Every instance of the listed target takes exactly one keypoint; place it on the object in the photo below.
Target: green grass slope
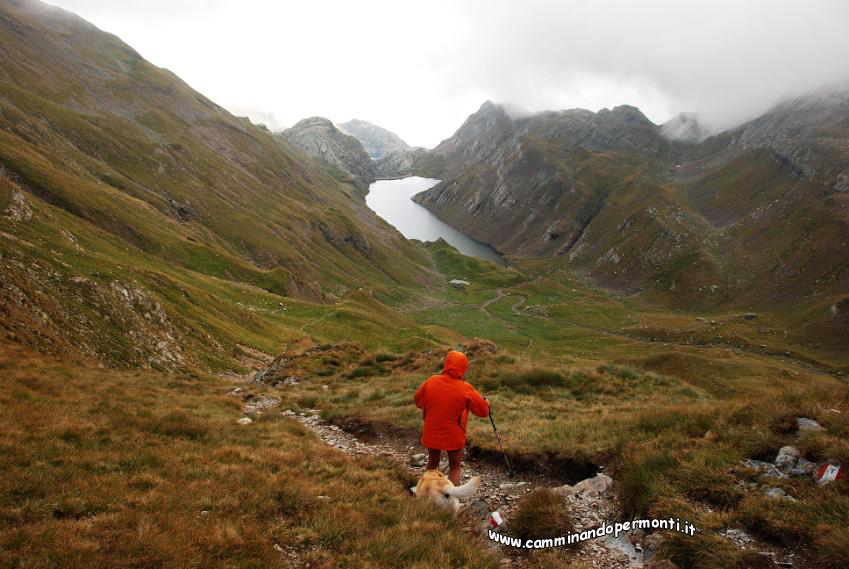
(125, 166)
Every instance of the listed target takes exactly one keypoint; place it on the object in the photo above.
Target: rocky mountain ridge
(343, 154)
(377, 141)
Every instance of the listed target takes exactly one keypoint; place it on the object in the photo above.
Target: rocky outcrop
(808, 134)
(343, 154)
(410, 162)
(377, 141)
(840, 311)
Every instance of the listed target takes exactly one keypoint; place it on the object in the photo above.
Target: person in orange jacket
(445, 401)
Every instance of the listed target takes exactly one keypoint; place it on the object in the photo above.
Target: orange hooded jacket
(445, 401)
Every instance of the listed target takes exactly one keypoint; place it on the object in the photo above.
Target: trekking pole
(507, 460)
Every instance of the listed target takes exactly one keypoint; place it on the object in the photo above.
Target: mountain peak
(346, 158)
(319, 122)
(628, 113)
(376, 140)
(491, 108)
(685, 127)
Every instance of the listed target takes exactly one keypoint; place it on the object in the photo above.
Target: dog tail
(467, 489)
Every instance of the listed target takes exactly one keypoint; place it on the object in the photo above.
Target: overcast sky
(419, 68)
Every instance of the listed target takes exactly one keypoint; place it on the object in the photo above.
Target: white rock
(806, 424)
(418, 459)
(787, 458)
(245, 421)
(622, 544)
(767, 468)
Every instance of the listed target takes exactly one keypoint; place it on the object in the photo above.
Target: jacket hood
(456, 364)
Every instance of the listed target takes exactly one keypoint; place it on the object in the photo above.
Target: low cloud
(420, 68)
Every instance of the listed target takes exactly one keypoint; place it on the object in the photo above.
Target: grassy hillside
(127, 175)
(135, 469)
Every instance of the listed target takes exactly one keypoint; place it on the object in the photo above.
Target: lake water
(392, 200)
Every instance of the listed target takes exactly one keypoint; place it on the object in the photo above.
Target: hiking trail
(499, 490)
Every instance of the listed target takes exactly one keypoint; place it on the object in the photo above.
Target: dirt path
(499, 294)
(316, 321)
(515, 306)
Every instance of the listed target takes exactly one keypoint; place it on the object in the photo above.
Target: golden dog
(435, 486)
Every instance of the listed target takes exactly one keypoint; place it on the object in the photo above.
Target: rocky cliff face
(377, 141)
(343, 154)
(477, 138)
(414, 161)
(529, 186)
(755, 214)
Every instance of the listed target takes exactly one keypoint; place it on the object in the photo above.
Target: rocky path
(590, 504)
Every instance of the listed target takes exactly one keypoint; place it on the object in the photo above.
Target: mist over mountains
(729, 61)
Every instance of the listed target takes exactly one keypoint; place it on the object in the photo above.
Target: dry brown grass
(133, 469)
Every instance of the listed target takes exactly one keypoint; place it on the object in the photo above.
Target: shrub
(582, 385)
(620, 372)
(367, 371)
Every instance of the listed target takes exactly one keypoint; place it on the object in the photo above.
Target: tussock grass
(384, 357)
(830, 548)
(540, 514)
(527, 382)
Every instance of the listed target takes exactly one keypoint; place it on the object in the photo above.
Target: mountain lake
(393, 201)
